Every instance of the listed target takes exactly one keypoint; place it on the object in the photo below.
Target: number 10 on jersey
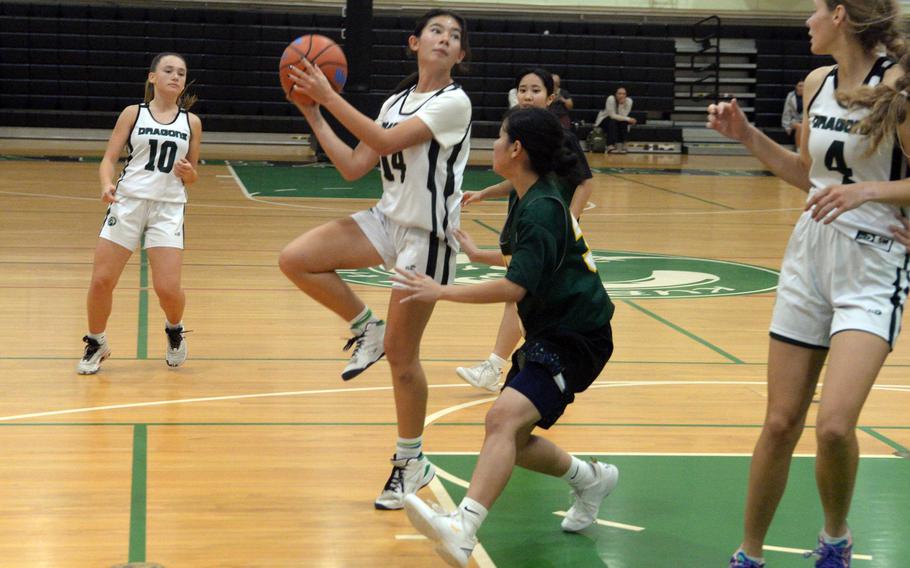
(165, 160)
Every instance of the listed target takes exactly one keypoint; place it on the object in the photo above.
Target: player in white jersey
(843, 282)
(146, 205)
(421, 142)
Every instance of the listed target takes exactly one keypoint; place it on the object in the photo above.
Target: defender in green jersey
(566, 315)
(535, 90)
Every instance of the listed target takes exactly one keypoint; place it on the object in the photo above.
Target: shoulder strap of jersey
(832, 75)
(878, 69)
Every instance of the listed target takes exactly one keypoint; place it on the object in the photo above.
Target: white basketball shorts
(408, 248)
(831, 283)
(161, 223)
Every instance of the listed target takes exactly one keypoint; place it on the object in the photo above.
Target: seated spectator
(792, 117)
(615, 120)
(513, 97)
(562, 104)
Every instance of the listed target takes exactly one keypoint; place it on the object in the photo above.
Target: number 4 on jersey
(835, 161)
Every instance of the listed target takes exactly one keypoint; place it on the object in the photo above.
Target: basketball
(321, 52)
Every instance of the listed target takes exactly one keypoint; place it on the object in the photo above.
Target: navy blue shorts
(579, 357)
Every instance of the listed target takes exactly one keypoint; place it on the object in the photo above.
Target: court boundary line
(596, 385)
(192, 204)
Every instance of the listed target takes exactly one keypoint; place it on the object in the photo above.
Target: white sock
(99, 337)
(580, 474)
(360, 320)
(497, 361)
(834, 539)
(473, 514)
(170, 325)
(409, 447)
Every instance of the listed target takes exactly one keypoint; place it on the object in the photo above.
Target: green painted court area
(691, 512)
(284, 179)
(288, 179)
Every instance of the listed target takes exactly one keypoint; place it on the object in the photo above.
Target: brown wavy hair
(184, 100)
(877, 24)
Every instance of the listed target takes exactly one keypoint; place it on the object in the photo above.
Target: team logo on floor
(629, 275)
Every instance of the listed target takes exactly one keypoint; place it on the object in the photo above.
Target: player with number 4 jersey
(843, 281)
(146, 205)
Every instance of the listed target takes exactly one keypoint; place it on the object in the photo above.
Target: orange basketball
(320, 51)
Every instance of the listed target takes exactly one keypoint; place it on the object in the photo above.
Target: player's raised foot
(368, 348)
(483, 376)
(587, 501)
(447, 530)
(94, 354)
(408, 476)
(176, 346)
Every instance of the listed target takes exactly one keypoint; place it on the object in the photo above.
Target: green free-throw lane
(691, 510)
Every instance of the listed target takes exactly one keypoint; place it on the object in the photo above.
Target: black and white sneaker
(176, 346)
(94, 354)
(368, 348)
(409, 475)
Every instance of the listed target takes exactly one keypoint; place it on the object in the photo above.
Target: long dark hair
(541, 135)
(545, 77)
(460, 68)
(184, 100)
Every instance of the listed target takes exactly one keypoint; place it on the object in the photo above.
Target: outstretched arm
(729, 120)
(352, 163)
(384, 141)
(475, 254)
(500, 189)
(792, 167)
(422, 288)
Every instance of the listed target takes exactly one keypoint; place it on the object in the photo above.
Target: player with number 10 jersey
(154, 149)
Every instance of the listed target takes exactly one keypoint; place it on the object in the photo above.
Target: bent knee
(291, 261)
(501, 421)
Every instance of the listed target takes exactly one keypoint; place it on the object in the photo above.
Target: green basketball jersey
(547, 255)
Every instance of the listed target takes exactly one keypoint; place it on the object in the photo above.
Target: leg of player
(110, 260)
(167, 267)
(792, 375)
(487, 374)
(411, 470)
(310, 262)
(848, 381)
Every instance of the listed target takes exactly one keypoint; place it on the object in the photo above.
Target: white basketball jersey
(421, 185)
(838, 157)
(154, 150)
